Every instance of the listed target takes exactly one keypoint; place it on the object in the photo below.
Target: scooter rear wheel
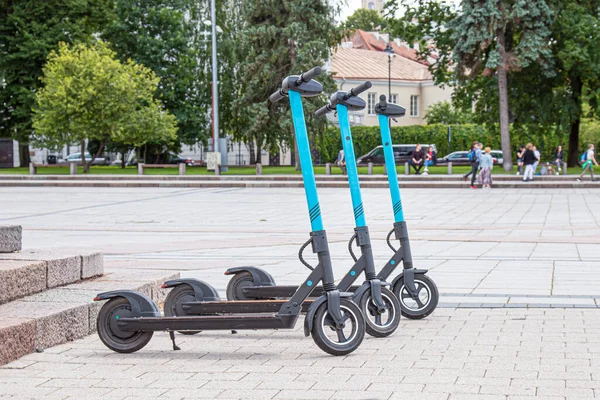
(426, 301)
(339, 342)
(176, 297)
(237, 284)
(111, 335)
(380, 325)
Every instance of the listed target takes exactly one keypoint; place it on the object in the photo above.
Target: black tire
(111, 335)
(237, 283)
(322, 329)
(427, 299)
(178, 295)
(381, 325)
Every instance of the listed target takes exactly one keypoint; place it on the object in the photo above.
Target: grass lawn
(267, 170)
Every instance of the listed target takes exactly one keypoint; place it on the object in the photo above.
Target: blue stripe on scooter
(308, 175)
(390, 165)
(359, 216)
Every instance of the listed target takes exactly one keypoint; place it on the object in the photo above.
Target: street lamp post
(390, 52)
(215, 91)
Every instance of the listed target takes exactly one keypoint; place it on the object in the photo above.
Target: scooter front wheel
(111, 334)
(385, 323)
(424, 303)
(176, 297)
(339, 342)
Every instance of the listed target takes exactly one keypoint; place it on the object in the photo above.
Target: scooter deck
(240, 306)
(268, 292)
(209, 322)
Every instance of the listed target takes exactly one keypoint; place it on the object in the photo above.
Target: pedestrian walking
(341, 161)
(559, 158)
(520, 154)
(587, 163)
(474, 157)
(528, 160)
(537, 158)
(486, 164)
(417, 159)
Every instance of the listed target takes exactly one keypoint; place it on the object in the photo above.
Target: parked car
(76, 158)
(402, 154)
(174, 159)
(462, 158)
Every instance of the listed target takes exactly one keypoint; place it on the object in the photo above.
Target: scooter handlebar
(359, 89)
(322, 111)
(308, 75)
(382, 102)
(275, 97)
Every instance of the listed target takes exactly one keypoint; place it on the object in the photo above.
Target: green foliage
(29, 31)
(89, 95)
(281, 37)
(366, 20)
(163, 36)
(365, 138)
(443, 112)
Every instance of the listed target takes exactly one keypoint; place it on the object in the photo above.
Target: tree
(89, 96)
(483, 42)
(166, 36)
(366, 20)
(29, 31)
(500, 36)
(281, 37)
(443, 112)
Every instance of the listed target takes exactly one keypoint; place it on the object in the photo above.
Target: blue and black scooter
(127, 321)
(378, 304)
(417, 293)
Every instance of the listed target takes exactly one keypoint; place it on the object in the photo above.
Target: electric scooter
(417, 293)
(127, 321)
(377, 303)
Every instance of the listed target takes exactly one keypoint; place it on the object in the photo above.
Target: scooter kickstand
(172, 336)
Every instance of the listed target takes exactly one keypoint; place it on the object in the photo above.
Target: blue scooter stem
(390, 165)
(357, 203)
(310, 186)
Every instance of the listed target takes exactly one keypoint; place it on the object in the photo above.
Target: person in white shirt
(587, 165)
(537, 156)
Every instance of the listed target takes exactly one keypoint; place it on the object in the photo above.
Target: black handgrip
(361, 88)
(322, 111)
(275, 97)
(382, 102)
(308, 75)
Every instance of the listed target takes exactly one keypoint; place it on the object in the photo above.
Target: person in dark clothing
(475, 157)
(529, 159)
(559, 158)
(417, 159)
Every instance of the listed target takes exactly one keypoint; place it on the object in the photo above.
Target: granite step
(63, 314)
(10, 238)
(32, 271)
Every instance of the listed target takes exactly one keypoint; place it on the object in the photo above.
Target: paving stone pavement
(465, 354)
(518, 271)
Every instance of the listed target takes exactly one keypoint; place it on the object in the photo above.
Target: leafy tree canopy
(444, 113)
(89, 96)
(366, 20)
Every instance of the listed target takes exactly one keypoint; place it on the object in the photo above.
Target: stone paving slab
(10, 238)
(454, 354)
(63, 266)
(21, 278)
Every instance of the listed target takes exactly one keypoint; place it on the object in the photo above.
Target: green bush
(366, 138)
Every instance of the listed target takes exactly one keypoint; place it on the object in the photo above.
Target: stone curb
(63, 314)
(421, 184)
(10, 238)
(33, 271)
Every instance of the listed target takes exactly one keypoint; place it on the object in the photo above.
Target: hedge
(366, 138)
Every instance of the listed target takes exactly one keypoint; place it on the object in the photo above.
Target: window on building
(394, 98)
(371, 103)
(414, 106)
